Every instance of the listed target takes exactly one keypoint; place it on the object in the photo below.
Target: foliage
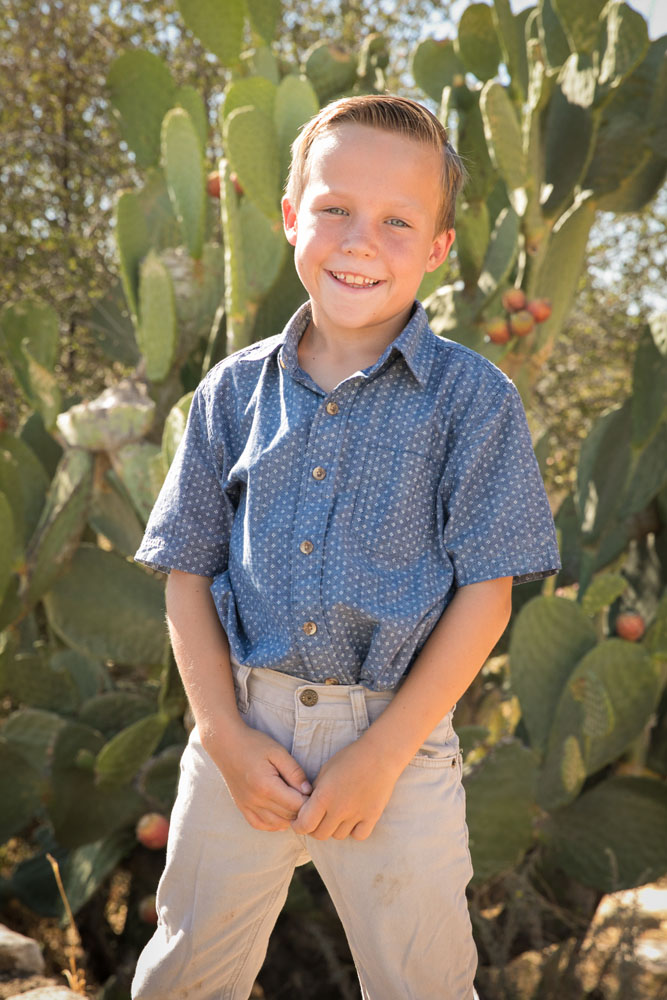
(94, 709)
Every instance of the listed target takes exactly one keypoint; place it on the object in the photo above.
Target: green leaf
(477, 41)
(142, 91)
(109, 608)
(120, 759)
(602, 592)
(549, 637)
(613, 836)
(500, 793)
(218, 26)
(186, 181)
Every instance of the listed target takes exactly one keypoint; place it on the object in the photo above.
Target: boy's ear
(441, 246)
(289, 220)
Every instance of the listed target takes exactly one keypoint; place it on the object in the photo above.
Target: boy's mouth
(354, 280)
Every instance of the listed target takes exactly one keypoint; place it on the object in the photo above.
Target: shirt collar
(413, 343)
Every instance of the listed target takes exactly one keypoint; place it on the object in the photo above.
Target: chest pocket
(394, 513)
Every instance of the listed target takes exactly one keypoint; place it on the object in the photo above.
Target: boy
(343, 522)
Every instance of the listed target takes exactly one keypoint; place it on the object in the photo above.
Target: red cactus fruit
(539, 309)
(152, 830)
(147, 910)
(630, 626)
(497, 331)
(521, 323)
(513, 300)
(213, 184)
(234, 178)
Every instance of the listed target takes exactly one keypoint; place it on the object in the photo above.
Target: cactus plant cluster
(94, 730)
(579, 127)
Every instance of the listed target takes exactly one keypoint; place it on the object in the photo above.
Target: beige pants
(400, 894)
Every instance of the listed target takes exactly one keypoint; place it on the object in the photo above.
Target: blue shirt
(338, 526)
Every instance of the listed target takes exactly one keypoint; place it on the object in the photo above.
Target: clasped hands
(270, 788)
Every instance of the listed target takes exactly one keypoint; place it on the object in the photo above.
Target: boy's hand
(349, 795)
(265, 781)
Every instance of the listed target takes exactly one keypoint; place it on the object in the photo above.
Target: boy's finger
(290, 771)
(310, 816)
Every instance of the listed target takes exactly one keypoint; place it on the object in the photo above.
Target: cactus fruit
(152, 831)
(630, 626)
(521, 323)
(513, 300)
(539, 309)
(497, 330)
(213, 184)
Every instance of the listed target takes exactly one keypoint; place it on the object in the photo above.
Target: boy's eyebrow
(397, 202)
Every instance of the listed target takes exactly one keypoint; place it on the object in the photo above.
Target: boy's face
(363, 231)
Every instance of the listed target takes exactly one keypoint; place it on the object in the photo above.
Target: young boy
(343, 522)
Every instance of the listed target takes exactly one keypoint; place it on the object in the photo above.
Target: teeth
(354, 279)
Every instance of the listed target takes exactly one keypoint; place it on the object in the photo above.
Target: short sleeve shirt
(337, 527)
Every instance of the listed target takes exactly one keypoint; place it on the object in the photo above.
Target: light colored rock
(19, 953)
(47, 993)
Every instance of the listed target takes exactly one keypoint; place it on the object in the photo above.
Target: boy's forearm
(448, 663)
(202, 654)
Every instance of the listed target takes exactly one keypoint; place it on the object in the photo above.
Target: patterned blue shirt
(337, 526)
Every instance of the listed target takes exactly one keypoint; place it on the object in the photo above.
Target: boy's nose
(359, 240)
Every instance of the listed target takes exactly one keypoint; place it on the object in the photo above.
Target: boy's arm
(265, 781)
(354, 786)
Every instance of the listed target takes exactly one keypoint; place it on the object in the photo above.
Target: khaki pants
(400, 894)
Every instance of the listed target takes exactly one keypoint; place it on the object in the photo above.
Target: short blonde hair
(392, 114)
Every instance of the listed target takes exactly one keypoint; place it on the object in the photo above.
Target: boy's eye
(399, 223)
(335, 211)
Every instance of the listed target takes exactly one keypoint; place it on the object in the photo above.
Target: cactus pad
(157, 332)
(477, 43)
(142, 91)
(218, 26)
(184, 169)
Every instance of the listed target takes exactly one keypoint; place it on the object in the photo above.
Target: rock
(47, 993)
(19, 953)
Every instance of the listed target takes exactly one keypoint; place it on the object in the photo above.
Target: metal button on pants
(400, 893)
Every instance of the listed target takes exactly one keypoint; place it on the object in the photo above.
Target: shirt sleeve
(497, 516)
(190, 523)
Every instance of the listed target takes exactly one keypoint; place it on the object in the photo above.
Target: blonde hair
(392, 114)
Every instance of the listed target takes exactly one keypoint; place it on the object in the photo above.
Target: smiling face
(363, 231)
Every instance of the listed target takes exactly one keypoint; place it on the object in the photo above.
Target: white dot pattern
(431, 483)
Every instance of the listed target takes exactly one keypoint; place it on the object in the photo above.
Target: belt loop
(241, 675)
(359, 712)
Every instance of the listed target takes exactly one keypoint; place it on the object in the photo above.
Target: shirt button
(306, 547)
(280, 360)
(310, 628)
(331, 680)
(308, 697)
(319, 472)
(332, 408)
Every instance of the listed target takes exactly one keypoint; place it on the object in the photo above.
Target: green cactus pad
(8, 544)
(264, 15)
(500, 794)
(285, 297)
(613, 836)
(29, 334)
(235, 278)
(553, 39)
(264, 248)
(21, 789)
(219, 27)
(130, 463)
(171, 700)
(192, 102)
(649, 380)
(604, 461)
(607, 701)
(511, 31)
(261, 61)
(186, 182)
(36, 682)
(157, 332)
(580, 21)
(42, 444)
(296, 102)
(500, 255)
(199, 288)
(109, 608)
(89, 675)
(549, 637)
(432, 280)
(473, 149)
(61, 523)
(142, 91)
(133, 244)
(174, 428)
(111, 516)
(626, 45)
(330, 68)
(114, 710)
(83, 811)
(472, 239)
(477, 43)
(120, 415)
(435, 63)
(563, 167)
(647, 474)
(119, 760)
(252, 148)
(158, 779)
(249, 92)
(32, 732)
(602, 592)
(503, 135)
(24, 483)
